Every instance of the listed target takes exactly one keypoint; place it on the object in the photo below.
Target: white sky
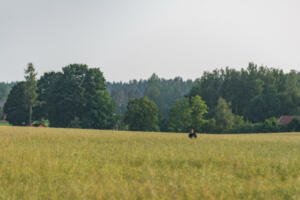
(131, 39)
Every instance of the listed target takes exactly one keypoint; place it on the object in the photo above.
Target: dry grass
(37, 163)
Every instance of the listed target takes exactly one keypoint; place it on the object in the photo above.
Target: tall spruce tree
(30, 89)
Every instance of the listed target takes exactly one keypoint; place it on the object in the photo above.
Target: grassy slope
(37, 163)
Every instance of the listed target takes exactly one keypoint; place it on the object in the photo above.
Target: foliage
(142, 115)
(30, 89)
(294, 125)
(223, 115)
(199, 109)
(162, 91)
(1, 113)
(186, 114)
(265, 105)
(255, 93)
(4, 91)
(42, 122)
(239, 101)
(76, 98)
(16, 106)
(180, 116)
(48, 96)
(271, 125)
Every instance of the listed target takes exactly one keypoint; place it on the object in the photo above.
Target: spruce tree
(30, 89)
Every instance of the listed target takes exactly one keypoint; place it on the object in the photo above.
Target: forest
(221, 101)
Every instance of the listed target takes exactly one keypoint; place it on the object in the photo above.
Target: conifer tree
(30, 89)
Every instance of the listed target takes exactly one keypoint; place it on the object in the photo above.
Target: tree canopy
(256, 93)
(76, 97)
(16, 107)
(180, 116)
(142, 115)
(223, 100)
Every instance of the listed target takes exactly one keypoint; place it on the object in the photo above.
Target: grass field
(3, 123)
(40, 163)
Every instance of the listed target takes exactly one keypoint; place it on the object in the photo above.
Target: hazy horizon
(134, 39)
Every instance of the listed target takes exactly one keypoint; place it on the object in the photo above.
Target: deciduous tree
(180, 116)
(199, 109)
(142, 115)
(224, 117)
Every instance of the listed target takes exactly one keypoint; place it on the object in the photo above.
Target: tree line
(162, 91)
(253, 98)
(75, 97)
(222, 101)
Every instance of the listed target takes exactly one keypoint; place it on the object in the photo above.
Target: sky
(134, 38)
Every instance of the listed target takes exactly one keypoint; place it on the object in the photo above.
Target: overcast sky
(131, 39)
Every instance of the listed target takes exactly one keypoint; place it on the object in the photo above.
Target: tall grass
(40, 163)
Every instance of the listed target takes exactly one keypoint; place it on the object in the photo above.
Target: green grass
(4, 123)
(41, 163)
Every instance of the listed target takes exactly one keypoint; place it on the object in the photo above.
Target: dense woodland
(256, 93)
(222, 101)
(162, 91)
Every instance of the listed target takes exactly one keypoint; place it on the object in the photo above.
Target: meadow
(44, 163)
